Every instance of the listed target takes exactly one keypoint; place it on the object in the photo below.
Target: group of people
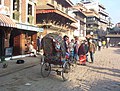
(77, 48)
(80, 49)
(102, 44)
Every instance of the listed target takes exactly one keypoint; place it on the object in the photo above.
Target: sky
(112, 8)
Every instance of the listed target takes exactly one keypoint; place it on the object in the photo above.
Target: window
(16, 5)
(29, 9)
(16, 10)
(30, 17)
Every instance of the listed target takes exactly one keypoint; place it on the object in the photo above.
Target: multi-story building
(103, 15)
(100, 10)
(92, 21)
(23, 13)
(6, 26)
(52, 15)
(79, 11)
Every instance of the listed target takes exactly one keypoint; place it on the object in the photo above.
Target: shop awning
(6, 21)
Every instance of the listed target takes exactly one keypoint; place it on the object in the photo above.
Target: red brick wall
(34, 39)
(17, 45)
(22, 43)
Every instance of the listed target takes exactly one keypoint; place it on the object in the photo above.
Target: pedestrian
(76, 47)
(66, 43)
(82, 53)
(71, 48)
(86, 49)
(91, 50)
(31, 49)
(38, 44)
(103, 43)
(99, 45)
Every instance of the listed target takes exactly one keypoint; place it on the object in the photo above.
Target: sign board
(29, 27)
(8, 51)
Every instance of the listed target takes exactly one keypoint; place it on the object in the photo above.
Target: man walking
(99, 45)
(91, 50)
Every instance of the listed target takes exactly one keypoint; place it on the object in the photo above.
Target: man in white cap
(91, 50)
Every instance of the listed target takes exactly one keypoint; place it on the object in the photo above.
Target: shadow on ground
(116, 72)
(117, 51)
(54, 82)
(105, 85)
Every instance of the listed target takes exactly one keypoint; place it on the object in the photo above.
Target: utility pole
(109, 24)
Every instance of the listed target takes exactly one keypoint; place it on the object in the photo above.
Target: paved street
(102, 75)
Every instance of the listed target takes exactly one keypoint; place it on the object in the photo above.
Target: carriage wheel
(65, 71)
(45, 69)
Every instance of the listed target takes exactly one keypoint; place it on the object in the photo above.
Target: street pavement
(12, 67)
(102, 75)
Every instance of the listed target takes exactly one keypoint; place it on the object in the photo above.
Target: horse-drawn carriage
(54, 54)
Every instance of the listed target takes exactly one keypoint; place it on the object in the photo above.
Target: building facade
(23, 14)
(92, 21)
(101, 21)
(52, 15)
(78, 10)
(103, 16)
(6, 26)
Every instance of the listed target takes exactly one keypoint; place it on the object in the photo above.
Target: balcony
(47, 14)
(53, 26)
(92, 22)
(57, 6)
(103, 20)
(91, 27)
(103, 12)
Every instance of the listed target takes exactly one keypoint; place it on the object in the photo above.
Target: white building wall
(93, 5)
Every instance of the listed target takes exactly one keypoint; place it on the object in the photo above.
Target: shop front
(6, 26)
(22, 36)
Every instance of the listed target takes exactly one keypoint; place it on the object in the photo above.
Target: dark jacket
(81, 50)
(66, 46)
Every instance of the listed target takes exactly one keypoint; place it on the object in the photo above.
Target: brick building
(22, 13)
